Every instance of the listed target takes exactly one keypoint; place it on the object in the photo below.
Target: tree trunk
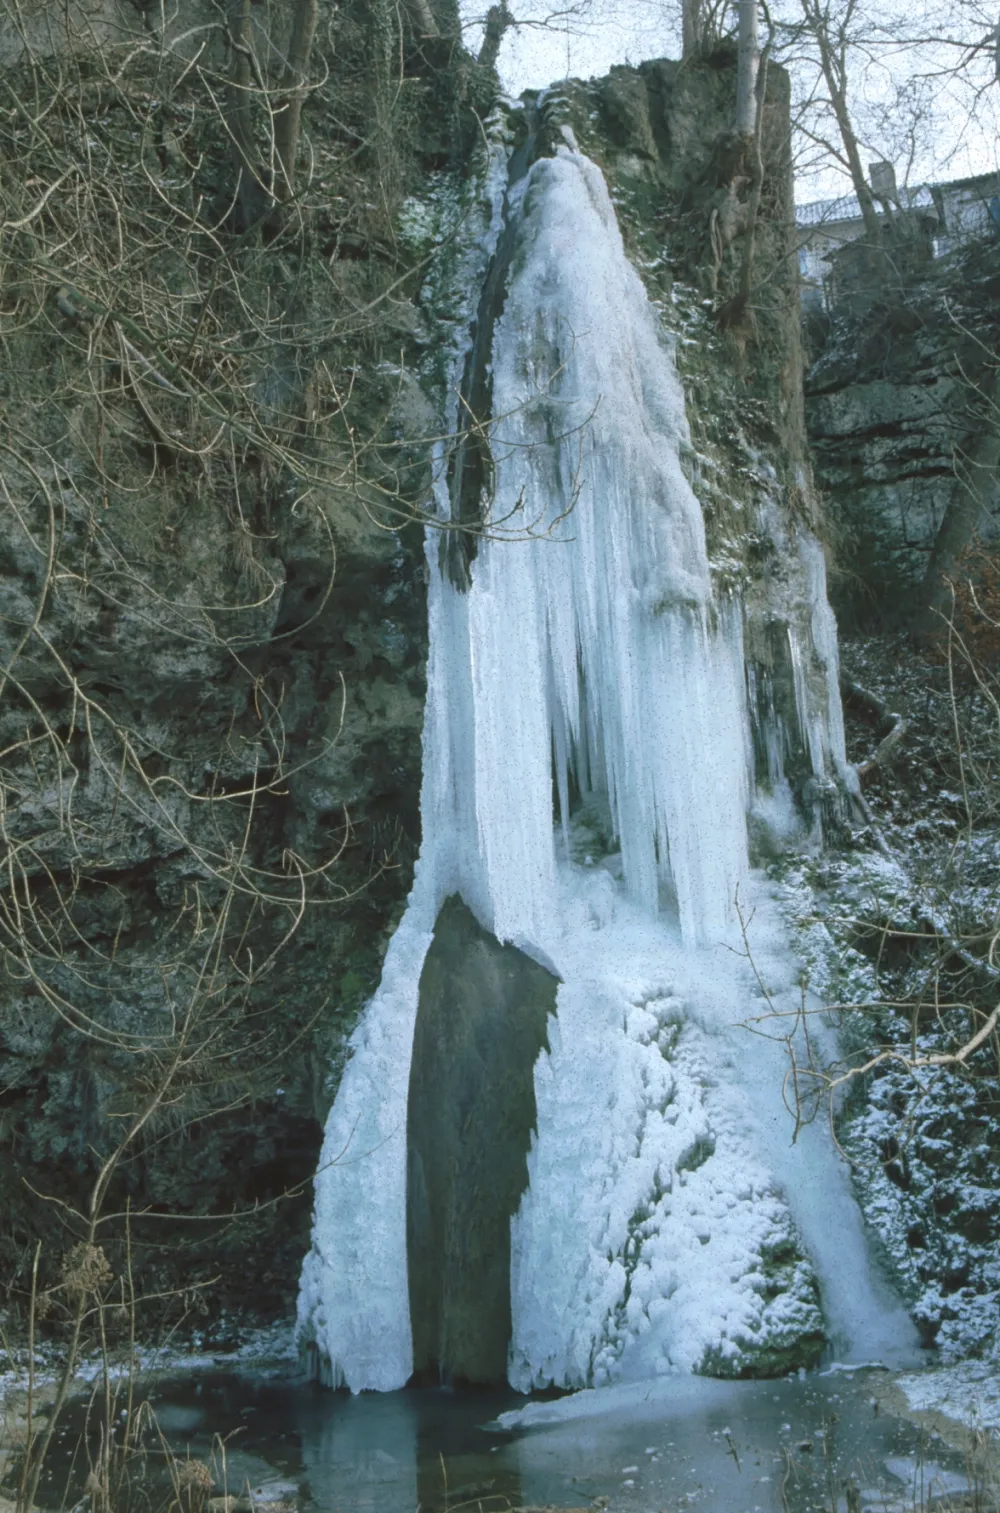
(423, 18)
(873, 226)
(747, 69)
(251, 194)
(977, 469)
(498, 19)
(691, 28)
(836, 82)
(734, 309)
(288, 115)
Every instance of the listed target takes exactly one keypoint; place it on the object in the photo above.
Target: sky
(537, 54)
(959, 128)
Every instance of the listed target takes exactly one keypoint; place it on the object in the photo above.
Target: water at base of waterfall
(783, 1446)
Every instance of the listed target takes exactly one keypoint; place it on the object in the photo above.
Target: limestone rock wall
(341, 654)
(212, 646)
(901, 411)
(481, 1025)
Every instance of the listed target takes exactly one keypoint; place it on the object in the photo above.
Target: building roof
(847, 208)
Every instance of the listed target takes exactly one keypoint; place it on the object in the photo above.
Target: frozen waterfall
(668, 1223)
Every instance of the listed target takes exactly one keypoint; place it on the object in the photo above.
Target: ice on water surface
(663, 1186)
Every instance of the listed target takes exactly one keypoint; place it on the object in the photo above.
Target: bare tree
(423, 18)
(498, 21)
(570, 17)
(266, 174)
(293, 92)
(833, 34)
(692, 28)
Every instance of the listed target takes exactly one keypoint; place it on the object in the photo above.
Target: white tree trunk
(749, 63)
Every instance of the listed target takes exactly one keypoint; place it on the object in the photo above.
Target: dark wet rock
(481, 1024)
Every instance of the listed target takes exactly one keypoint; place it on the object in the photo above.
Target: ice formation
(659, 1229)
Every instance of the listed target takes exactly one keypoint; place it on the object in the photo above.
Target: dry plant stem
(786, 1477)
(130, 1295)
(914, 1062)
(35, 1461)
(833, 1082)
(30, 1407)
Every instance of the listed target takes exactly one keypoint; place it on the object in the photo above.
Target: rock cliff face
(212, 641)
(901, 413)
(167, 692)
(481, 1024)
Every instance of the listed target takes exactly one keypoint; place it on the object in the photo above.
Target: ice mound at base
(653, 1236)
(670, 1224)
(668, 1219)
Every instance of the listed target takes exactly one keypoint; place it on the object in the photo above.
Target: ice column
(602, 622)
